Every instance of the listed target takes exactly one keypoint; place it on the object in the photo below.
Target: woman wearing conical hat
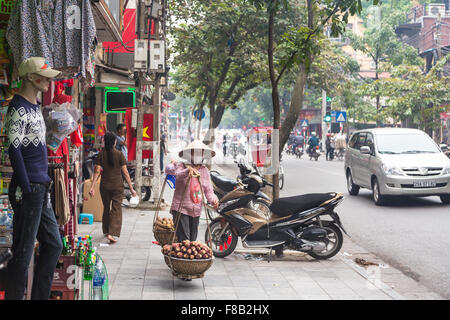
(191, 204)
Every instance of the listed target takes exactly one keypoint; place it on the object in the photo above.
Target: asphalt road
(411, 234)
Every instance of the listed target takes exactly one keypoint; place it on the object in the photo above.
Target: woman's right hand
(91, 192)
(193, 171)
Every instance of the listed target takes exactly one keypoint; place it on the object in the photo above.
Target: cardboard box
(93, 205)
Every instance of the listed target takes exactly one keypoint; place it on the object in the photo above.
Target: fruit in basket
(165, 224)
(188, 250)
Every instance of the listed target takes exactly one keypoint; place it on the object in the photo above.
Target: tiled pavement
(137, 271)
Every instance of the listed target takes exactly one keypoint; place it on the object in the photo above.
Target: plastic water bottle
(98, 280)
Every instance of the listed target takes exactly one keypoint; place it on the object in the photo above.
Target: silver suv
(396, 161)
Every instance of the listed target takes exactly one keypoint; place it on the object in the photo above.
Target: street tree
(381, 44)
(415, 95)
(298, 49)
(217, 51)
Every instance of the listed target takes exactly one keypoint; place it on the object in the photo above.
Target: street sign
(199, 115)
(341, 116)
(173, 115)
(304, 123)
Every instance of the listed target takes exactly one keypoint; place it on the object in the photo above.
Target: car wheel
(352, 188)
(376, 196)
(445, 198)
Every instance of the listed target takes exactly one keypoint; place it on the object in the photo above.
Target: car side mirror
(365, 150)
(444, 147)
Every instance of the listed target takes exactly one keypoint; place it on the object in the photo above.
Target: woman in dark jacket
(114, 168)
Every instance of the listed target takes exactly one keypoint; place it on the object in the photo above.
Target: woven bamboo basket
(187, 268)
(164, 236)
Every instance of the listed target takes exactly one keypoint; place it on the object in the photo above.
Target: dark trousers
(33, 219)
(330, 153)
(187, 227)
(112, 211)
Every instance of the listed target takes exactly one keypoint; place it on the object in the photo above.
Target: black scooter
(294, 223)
(223, 185)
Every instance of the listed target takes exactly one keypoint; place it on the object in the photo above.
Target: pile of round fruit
(165, 224)
(187, 250)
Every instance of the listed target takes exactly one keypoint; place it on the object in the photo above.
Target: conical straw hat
(197, 145)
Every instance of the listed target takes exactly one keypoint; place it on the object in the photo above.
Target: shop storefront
(72, 115)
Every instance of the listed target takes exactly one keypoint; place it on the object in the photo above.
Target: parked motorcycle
(314, 153)
(146, 191)
(294, 223)
(223, 185)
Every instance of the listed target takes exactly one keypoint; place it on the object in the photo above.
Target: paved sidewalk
(137, 270)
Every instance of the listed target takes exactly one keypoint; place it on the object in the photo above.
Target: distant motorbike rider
(224, 144)
(313, 142)
(298, 142)
(329, 145)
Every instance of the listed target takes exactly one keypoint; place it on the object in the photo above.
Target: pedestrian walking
(30, 186)
(187, 200)
(332, 146)
(111, 165)
(121, 140)
(224, 145)
(341, 144)
(163, 151)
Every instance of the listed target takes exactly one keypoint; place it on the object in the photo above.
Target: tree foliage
(415, 95)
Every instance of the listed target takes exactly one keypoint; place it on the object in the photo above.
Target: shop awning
(107, 27)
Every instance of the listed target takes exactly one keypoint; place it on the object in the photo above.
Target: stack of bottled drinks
(93, 267)
(6, 222)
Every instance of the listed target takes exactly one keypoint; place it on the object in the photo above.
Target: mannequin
(30, 185)
(32, 85)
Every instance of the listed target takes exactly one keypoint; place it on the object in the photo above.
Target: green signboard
(117, 101)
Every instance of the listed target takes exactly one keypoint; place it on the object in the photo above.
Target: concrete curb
(376, 282)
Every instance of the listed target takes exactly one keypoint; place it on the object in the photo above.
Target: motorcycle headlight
(446, 171)
(392, 171)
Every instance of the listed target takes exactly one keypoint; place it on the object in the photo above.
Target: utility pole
(150, 25)
(324, 112)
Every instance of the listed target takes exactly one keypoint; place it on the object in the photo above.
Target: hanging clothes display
(61, 31)
(62, 209)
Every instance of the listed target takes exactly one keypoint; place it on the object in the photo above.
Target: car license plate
(424, 184)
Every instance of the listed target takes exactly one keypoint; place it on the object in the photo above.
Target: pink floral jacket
(188, 207)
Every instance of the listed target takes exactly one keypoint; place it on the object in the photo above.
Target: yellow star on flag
(145, 134)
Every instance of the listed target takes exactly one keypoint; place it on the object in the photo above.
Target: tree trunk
(295, 106)
(275, 96)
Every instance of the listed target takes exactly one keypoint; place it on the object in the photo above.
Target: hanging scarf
(194, 190)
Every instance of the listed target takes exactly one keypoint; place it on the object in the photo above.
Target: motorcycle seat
(288, 206)
(224, 183)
